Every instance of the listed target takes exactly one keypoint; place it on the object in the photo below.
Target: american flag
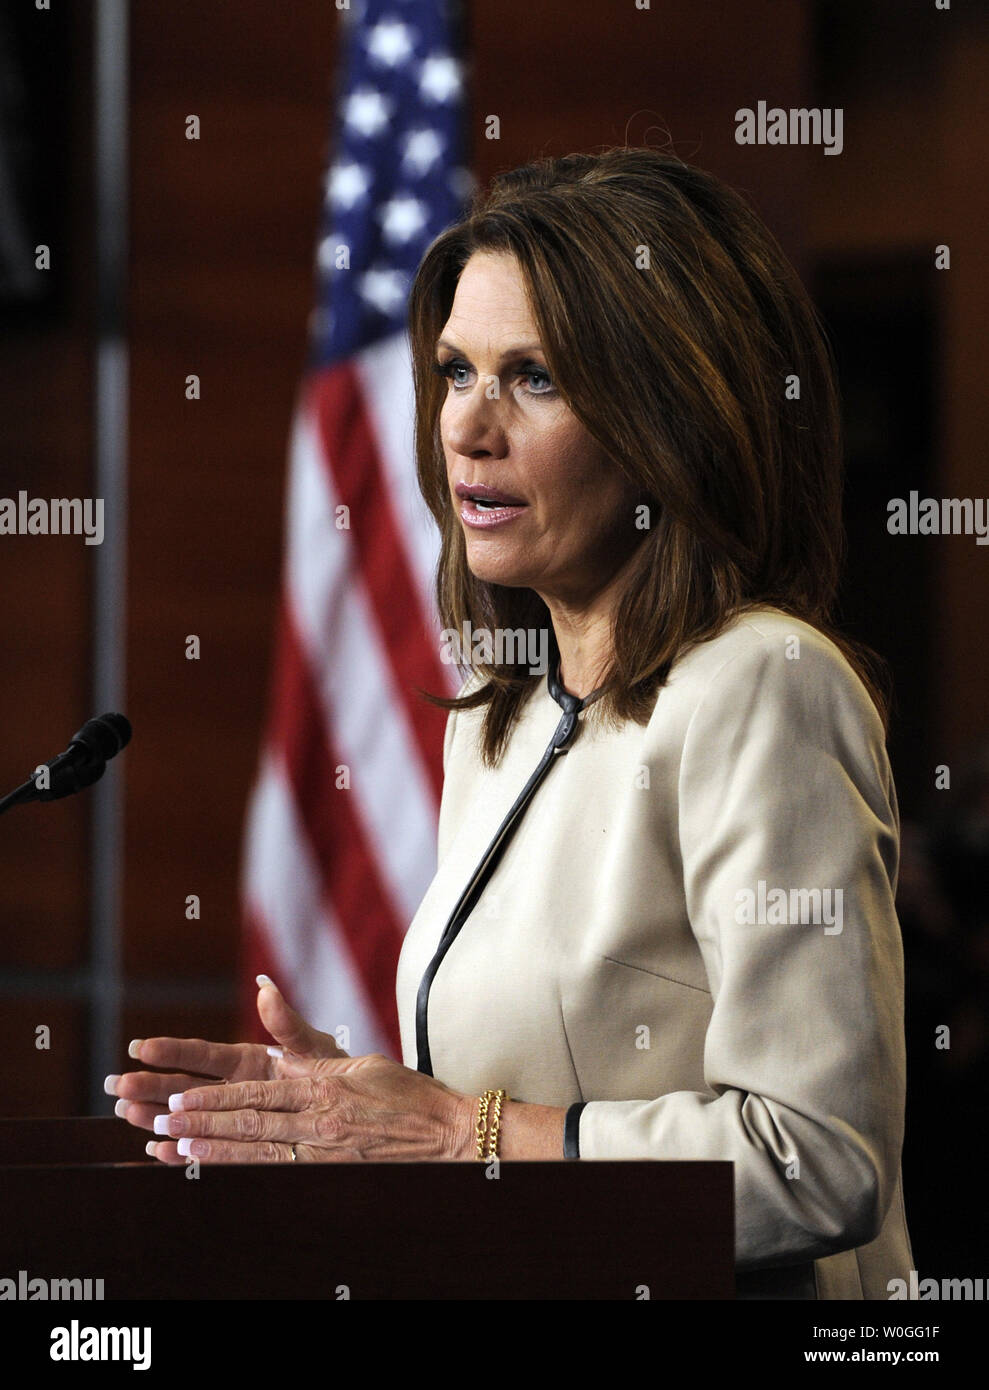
(340, 840)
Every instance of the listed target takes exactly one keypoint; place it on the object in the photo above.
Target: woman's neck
(584, 637)
(585, 653)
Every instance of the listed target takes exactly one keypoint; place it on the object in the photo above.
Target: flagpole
(110, 98)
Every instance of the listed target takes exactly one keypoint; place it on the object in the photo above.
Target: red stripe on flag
(350, 881)
(335, 401)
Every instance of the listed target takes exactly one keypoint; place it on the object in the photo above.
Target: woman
(685, 943)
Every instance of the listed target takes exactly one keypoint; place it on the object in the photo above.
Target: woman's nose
(472, 423)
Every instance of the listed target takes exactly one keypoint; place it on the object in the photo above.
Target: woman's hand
(144, 1095)
(345, 1109)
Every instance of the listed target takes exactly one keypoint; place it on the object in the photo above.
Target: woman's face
(540, 503)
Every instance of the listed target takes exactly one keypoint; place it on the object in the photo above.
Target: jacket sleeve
(784, 781)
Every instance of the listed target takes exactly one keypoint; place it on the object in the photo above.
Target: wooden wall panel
(47, 1080)
(963, 652)
(223, 239)
(574, 77)
(912, 178)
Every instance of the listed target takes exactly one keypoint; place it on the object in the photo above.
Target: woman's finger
(197, 1055)
(139, 1115)
(151, 1085)
(230, 1151)
(289, 1029)
(245, 1126)
(292, 1094)
(165, 1150)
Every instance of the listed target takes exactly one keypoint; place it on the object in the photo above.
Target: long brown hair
(678, 333)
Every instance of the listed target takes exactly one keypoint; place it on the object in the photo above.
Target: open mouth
(485, 508)
(486, 498)
(484, 504)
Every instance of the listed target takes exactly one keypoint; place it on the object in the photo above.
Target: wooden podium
(80, 1199)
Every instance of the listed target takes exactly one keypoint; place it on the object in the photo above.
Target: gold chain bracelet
(485, 1136)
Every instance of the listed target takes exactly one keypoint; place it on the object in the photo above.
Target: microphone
(83, 762)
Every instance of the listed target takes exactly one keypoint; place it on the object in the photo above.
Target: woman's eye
(539, 379)
(449, 370)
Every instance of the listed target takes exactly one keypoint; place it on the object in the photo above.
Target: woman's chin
(511, 571)
(496, 574)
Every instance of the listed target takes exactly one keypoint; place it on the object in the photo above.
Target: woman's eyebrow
(506, 356)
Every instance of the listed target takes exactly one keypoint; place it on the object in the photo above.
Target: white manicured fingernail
(176, 1101)
(110, 1085)
(161, 1124)
(263, 980)
(132, 1048)
(151, 1149)
(185, 1147)
(275, 1051)
(121, 1107)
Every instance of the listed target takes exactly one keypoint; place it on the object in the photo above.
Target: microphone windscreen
(105, 736)
(120, 724)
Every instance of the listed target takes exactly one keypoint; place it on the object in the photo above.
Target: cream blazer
(692, 935)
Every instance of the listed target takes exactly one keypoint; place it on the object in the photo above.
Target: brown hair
(670, 320)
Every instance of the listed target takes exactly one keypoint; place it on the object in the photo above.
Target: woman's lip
(465, 491)
(482, 518)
